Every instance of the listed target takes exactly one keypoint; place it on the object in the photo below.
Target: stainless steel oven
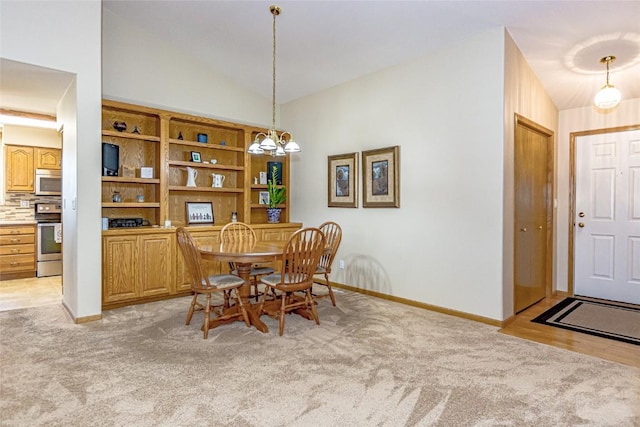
(49, 240)
(48, 182)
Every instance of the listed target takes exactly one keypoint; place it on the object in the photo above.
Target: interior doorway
(533, 218)
(605, 214)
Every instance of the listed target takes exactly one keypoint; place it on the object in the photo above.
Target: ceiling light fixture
(276, 145)
(608, 96)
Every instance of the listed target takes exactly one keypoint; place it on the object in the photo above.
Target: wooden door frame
(572, 192)
(550, 136)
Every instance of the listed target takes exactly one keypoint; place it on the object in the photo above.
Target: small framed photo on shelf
(263, 198)
(195, 157)
(381, 178)
(343, 181)
(199, 213)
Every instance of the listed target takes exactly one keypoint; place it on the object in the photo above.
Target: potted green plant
(277, 196)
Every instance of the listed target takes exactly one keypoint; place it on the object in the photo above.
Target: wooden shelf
(205, 165)
(131, 205)
(204, 145)
(131, 179)
(130, 135)
(206, 189)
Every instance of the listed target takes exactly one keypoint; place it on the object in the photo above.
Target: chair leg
(282, 305)
(207, 312)
(312, 306)
(333, 298)
(191, 308)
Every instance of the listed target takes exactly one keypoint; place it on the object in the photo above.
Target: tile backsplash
(11, 209)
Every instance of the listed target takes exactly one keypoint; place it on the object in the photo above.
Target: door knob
(581, 224)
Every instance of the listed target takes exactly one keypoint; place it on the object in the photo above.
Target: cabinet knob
(15, 240)
(523, 229)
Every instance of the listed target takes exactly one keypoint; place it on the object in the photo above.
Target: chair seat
(223, 281)
(257, 271)
(275, 279)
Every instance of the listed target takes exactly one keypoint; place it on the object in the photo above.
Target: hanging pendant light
(608, 96)
(271, 142)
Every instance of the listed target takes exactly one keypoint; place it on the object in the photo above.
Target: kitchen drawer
(11, 263)
(21, 229)
(17, 239)
(17, 249)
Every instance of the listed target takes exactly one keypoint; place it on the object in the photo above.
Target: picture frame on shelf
(342, 180)
(199, 213)
(263, 198)
(381, 178)
(195, 157)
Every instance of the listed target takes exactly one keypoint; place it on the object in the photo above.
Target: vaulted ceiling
(321, 44)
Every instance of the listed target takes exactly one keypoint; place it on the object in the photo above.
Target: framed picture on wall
(381, 178)
(343, 181)
(199, 213)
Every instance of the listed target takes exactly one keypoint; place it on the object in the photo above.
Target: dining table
(244, 255)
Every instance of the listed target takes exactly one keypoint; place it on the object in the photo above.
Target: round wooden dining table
(244, 255)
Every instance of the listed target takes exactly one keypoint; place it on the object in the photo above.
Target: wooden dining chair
(333, 235)
(299, 261)
(202, 283)
(239, 232)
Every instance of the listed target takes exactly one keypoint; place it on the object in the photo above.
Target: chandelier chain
(273, 83)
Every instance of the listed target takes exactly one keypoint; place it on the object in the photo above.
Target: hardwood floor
(615, 351)
(23, 293)
(33, 292)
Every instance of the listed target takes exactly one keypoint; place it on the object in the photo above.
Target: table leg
(244, 271)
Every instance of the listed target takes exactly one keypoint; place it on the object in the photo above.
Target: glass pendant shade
(255, 148)
(607, 97)
(292, 147)
(280, 151)
(268, 144)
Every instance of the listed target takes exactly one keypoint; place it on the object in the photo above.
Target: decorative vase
(273, 215)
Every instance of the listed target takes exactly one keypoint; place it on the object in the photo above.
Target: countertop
(18, 222)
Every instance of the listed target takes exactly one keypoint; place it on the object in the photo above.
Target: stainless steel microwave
(48, 182)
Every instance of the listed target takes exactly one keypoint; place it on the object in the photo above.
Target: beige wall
(443, 246)
(524, 95)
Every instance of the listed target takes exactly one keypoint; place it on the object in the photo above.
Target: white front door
(607, 222)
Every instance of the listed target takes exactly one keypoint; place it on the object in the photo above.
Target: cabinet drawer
(17, 249)
(11, 263)
(11, 231)
(17, 239)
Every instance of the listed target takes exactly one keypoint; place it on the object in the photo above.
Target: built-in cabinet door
(19, 169)
(119, 269)
(48, 158)
(156, 264)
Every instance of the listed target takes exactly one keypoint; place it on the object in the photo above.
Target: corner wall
(65, 35)
(443, 246)
(524, 95)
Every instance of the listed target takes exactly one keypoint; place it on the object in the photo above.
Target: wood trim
(84, 319)
(25, 114)
(572, 192)
(461, 314)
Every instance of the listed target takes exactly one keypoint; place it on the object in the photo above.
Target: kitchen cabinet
(48, 158)
(19, 168)
(17, 251)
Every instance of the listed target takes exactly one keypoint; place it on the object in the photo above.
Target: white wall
(65, 35)
(140, 69)
(443, 246)
(578, 120)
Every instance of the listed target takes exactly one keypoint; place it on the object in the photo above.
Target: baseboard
(84, 319)
(462, 314)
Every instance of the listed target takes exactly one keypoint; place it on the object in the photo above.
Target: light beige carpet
(371, 362)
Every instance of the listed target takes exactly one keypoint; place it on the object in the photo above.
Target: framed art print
(343, 181)
(195, 157)
(199, 213)
(381, 178)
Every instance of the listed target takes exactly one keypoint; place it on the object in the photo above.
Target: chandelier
(608, 96)
(271, 142)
